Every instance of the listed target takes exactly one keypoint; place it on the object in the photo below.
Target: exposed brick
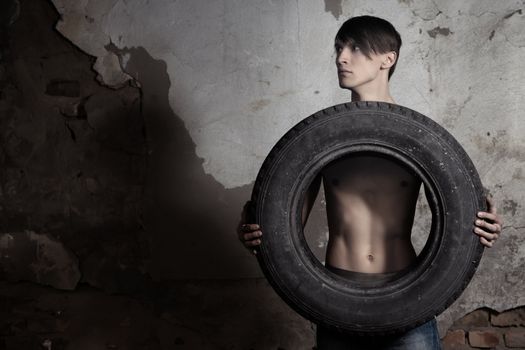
(456, 347)
(477, 318)
(454, 340)
(454, 337)
(515, 317)
(483, 338)
(515, 338)
(40, 258)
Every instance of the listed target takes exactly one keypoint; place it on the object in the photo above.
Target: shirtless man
(370, 200)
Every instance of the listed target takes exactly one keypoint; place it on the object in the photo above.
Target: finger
(486, 242)
(488, 226)
(252, 235)
(489, 216)
(490, 205)
(246, 228)
(487, 235)
(252, 243)
(249, 227)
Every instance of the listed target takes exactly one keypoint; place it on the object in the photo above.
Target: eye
(355, 48)
(338, 48)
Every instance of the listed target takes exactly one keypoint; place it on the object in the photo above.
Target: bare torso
(370, 208)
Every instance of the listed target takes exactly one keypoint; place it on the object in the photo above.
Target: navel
(370, 257)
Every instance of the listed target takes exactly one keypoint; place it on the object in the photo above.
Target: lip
(342, 71)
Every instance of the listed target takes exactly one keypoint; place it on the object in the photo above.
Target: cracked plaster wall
(243, 73)
(208, 88)
(103, 170)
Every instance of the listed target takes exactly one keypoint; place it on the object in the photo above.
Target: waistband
(369, 279)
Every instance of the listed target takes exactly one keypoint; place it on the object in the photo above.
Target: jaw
(374, 88)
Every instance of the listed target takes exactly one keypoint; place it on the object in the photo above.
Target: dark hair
(371, 35)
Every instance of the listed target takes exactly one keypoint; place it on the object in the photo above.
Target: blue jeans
(424, 337)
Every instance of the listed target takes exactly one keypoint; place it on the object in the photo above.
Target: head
(371, 39)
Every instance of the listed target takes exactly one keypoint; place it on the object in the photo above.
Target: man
(371, 200)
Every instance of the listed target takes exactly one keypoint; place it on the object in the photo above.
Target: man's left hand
(488, 225)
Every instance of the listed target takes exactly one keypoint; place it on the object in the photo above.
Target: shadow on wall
(110, 182)
(190, 216)
(110, 175)
(73, 162)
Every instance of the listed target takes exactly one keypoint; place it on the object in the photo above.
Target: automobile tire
(454, 192)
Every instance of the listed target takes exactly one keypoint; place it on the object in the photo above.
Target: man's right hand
(250, 235)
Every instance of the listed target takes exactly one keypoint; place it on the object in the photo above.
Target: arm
(487, 225)
(250, 234)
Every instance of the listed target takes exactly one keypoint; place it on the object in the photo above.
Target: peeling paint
(335, 7)
(110, 72)
(433, 33)
(39, 258)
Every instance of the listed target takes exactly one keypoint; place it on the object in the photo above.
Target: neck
(380, 97)
(372, 97)
(377, 90)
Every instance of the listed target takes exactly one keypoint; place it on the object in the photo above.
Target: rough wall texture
(186, 315)
(242, 74)
(141, 181)
(73, 158)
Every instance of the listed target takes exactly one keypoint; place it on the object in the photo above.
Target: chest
(369, 173)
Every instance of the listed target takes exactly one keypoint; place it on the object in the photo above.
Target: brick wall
(487, 329)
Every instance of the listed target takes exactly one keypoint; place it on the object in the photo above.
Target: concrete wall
(134, 174)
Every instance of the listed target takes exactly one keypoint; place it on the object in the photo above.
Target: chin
(346, 82)
(344, 85)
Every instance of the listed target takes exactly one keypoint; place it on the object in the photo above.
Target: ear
(389, 59)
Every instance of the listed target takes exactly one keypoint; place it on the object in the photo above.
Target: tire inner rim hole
(366, 185)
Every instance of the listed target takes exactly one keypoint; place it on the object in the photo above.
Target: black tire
(444, 267)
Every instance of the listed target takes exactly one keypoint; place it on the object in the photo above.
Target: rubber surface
(454, 192)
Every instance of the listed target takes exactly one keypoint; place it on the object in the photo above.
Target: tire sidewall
(449, 258)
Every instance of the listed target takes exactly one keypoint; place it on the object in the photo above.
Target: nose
(343, 56)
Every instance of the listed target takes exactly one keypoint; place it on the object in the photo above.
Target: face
(354, 68)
